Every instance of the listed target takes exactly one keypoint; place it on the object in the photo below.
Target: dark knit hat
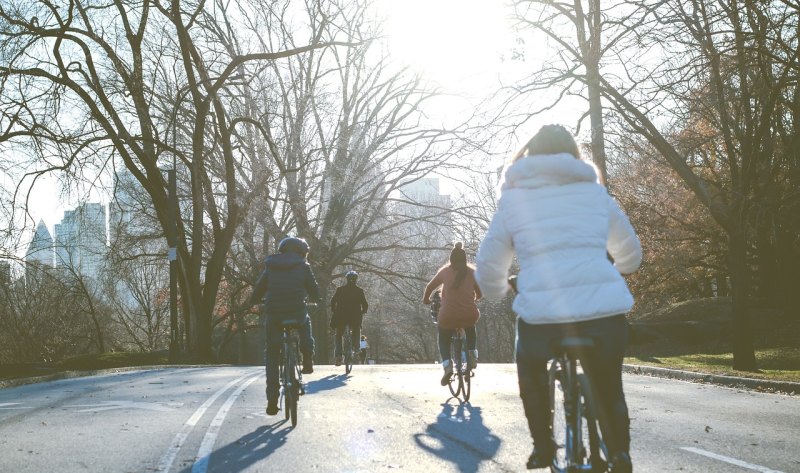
(458, 257)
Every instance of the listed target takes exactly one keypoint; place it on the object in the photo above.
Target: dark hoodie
(284, 285)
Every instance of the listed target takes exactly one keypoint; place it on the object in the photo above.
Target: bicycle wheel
(348, 350)
(596, 428)
(456, 383)
(466, 375)
(289, 393)
(558, 418)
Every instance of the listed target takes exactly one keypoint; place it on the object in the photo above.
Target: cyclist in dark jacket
(349, 306)
(282, 289)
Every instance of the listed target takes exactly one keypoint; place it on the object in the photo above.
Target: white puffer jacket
(560, 222)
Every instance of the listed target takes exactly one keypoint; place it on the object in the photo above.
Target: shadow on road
(459, 436)
(332, 381)
(248, 449)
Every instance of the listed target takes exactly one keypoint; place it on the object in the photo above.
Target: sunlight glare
(447, 41)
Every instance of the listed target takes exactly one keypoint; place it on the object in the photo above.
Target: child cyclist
(558, 218)
(283, 288)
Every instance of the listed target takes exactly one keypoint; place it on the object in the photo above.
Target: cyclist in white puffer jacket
(560, 221)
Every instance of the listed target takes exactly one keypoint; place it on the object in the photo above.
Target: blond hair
(550, 139)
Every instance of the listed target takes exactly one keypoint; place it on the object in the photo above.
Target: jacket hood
(284, 260)
(531, 172)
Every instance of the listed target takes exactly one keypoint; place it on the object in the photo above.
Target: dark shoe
(541, 458)
(448, 372)
(308, 367)
(272, 408)
(621, 463)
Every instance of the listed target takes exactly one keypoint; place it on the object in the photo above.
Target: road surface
(381, 418)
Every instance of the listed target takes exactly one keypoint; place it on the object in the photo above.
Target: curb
(763, 385)
(11, 383)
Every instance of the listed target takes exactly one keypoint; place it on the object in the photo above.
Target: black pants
(446, 340)
(272, 352)
(354, 322)
(604, 369)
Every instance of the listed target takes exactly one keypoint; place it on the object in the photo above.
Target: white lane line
(166, 461)
(730, 460)
(204, 453)
(12, 405)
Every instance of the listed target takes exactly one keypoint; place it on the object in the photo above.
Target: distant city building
(130, 216)
(40, 250)
(80, 240)
(426, 191)
(430, 212)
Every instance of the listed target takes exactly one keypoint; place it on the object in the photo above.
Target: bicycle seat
(573, 346)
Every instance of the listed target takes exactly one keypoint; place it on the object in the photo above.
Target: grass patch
(83, 363)
(112, 360)
(776, 364)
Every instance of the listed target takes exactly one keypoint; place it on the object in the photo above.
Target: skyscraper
(80, 240)
(40, 250)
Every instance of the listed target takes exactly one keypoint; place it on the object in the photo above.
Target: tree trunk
(319, 322)
(742, 336)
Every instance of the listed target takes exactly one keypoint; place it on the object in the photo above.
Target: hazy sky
(462, 45)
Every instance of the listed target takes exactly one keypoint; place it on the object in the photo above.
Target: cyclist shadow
(332, 381)
(459, 436)
(248, 449)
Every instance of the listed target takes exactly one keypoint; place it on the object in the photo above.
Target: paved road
(382, 418)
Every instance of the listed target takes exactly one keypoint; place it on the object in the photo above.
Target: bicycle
(291, 375)
(347, 349)
(574, 415)
(460, 383)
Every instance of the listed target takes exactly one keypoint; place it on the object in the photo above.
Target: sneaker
(272, 408)
(472, 359)
(540, 458)
(448, 371)
(338, 361)
(308, 367)
(621, 463)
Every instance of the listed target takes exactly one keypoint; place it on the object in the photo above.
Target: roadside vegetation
(694, 336)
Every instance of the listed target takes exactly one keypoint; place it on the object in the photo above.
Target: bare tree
(720, 73)
(341, 132)
(82, 83)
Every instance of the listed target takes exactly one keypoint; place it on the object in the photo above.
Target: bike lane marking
(732, 461)
(166, 461)
(207, 446)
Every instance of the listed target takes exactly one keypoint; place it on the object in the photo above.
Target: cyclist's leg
(274, 341)
(337, 346)
(605, 371)
(307, 345)
(356, 333)
(445, 342)
(472, 343)
(532, 356)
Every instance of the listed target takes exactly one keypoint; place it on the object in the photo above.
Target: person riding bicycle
(348, 306)
(283, 288)
(459, 293)
(558, 217)
(364, 346)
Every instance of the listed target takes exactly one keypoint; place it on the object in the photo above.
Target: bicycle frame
(583, 422)
(461, 374)
(347, 348)
(290, 372)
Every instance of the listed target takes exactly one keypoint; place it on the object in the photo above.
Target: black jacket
(284, 286)
(348, 303)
